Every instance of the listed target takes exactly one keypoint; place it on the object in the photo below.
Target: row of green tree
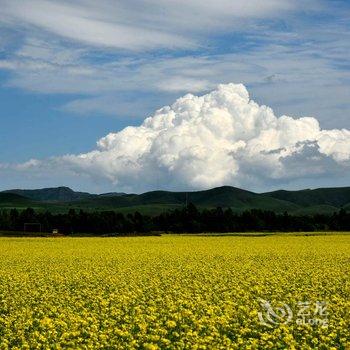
(188, 219)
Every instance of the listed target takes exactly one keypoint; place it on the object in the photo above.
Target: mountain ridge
(62, 198)
(55, 194)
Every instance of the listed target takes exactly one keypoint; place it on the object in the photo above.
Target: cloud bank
(221, 138)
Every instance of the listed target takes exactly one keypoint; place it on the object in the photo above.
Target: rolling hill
(61, 199)
(336, 197)
(56, 194)
(13, 199)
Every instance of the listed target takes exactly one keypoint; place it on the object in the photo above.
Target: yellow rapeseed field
(175, 292)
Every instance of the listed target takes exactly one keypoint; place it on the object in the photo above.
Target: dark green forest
(188, 219)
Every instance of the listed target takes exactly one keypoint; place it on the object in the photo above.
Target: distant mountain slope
(227, 196)
(336, 197)
(14, 200)
(112, 194)
(316, 209)
(12, 197)
(326, 200)
(222, 196)
(57, 194)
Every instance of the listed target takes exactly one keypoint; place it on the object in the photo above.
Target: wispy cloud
(82, 47)
(137, 24)
(296, 78)
(87, 24)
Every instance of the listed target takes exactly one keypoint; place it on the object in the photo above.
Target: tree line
(188, 219)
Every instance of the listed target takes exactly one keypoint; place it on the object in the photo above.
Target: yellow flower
(171, 324)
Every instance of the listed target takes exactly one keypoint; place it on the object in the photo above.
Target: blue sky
(73, 71)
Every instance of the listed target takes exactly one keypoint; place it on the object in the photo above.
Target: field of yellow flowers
(175, 292)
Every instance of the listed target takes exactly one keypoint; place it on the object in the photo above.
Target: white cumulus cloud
(221, 138)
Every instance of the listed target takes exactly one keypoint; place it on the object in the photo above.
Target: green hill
(222, 196)
(61, 199)
(347, 206)
(13, 200)
(316, 209)
(57, 194)
(336, 197)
